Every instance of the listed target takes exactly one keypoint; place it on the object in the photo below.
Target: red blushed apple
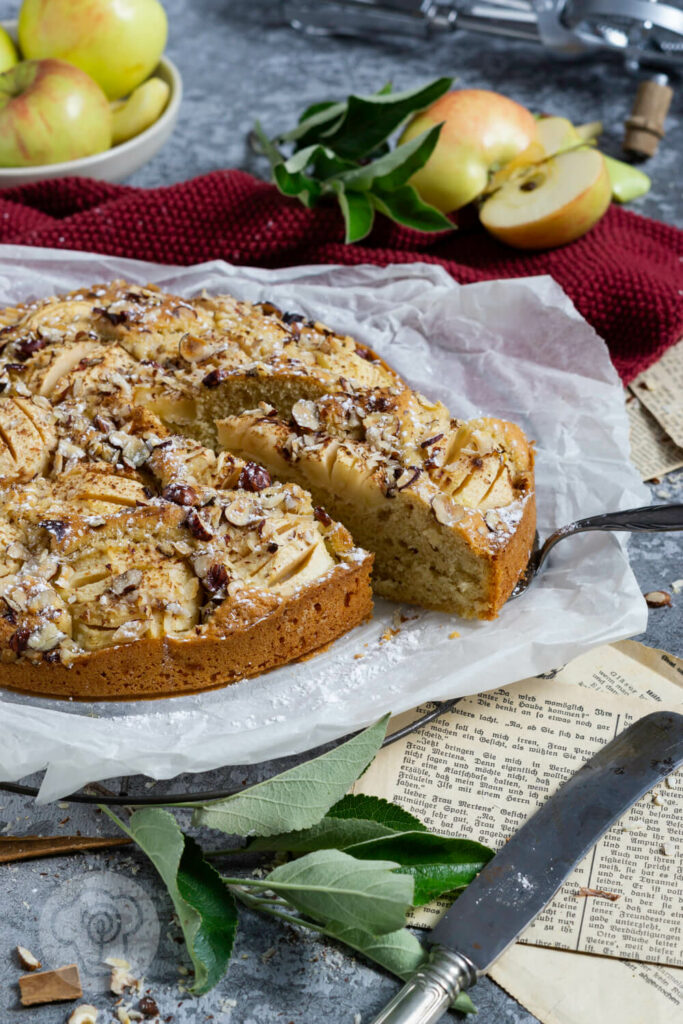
(481, 132)
(550, 203)
(50, 112)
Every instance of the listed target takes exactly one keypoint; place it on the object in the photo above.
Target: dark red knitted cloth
(625, 276)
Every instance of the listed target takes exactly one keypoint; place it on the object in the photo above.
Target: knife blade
(522, 878)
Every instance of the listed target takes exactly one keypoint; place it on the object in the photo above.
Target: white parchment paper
(516, 349)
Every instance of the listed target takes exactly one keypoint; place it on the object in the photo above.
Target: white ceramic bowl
(120, 161)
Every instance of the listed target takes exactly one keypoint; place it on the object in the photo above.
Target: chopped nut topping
(305, 414)
(658, 599)
(446, 510)
(126, 582)
(180, 494)
(214, 378)
(254, 477)
(321, 515)
(197, 527)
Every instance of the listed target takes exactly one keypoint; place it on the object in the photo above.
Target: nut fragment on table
(121, 978)
(27, 960)
(83, 1014)
(658, 599)
(56, 986)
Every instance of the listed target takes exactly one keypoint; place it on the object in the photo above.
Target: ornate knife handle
(649, 518)
(427, 995)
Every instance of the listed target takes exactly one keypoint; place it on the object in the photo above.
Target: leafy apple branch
(341, 151)
(350, 867)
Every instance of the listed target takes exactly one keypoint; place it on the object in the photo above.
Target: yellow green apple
(550, 203)
(141, 109)
(8, 51)
(481, 132)
(116, 42)
(50, 111)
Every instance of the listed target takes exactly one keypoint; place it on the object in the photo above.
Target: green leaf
(358, 211)
(321, 118)
(437, 864)
(369, 120)
(328, 834)
(329, 885)
(310, 128)
(398, 952)
(316, 108)
(405, 207)
(353, 819)
(394, 169)
(297, 798)
(374, 808)
(205, 907)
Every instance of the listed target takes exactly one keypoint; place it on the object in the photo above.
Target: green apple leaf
(299, 797)
(370, 120)
(374, 808)
(393, 169)
(399, 952)
(201, 887)
(352, 820)
(205, 907)
(320, 119)
(328, 834)
(404, 206)
(437, 864)
(329, 885)
(358, 212)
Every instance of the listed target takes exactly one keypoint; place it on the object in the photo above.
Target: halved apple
(141, 109)
(550, 203)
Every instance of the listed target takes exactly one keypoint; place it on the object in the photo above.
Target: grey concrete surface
(239, 62)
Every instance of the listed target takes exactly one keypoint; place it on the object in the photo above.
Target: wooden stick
(14, 848)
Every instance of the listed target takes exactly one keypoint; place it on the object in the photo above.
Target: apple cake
(191, 489)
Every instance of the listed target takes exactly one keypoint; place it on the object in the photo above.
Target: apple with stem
(481, 132)
(50, 111)
(116, 42)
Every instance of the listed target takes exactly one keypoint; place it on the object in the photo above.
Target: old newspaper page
(482, 770)
(660, 389)
(653, 453)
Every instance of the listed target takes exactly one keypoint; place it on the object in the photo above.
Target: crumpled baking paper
(515, 349)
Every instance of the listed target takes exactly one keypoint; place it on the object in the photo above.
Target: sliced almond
(27, 960)
(658, 599)
(447, 512)
(305, 414)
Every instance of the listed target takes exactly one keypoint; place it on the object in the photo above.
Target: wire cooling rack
(146, 799)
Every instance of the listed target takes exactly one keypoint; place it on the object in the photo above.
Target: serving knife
(522, 878)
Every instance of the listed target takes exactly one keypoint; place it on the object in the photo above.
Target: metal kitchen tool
(524, 876)
(644, 32)
(648, 519)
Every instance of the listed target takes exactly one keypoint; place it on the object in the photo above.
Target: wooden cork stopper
(645, 126)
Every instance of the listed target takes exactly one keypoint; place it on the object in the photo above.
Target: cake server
(522, 878)
(648, 519)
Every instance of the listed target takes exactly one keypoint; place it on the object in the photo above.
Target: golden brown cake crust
(170, 667)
